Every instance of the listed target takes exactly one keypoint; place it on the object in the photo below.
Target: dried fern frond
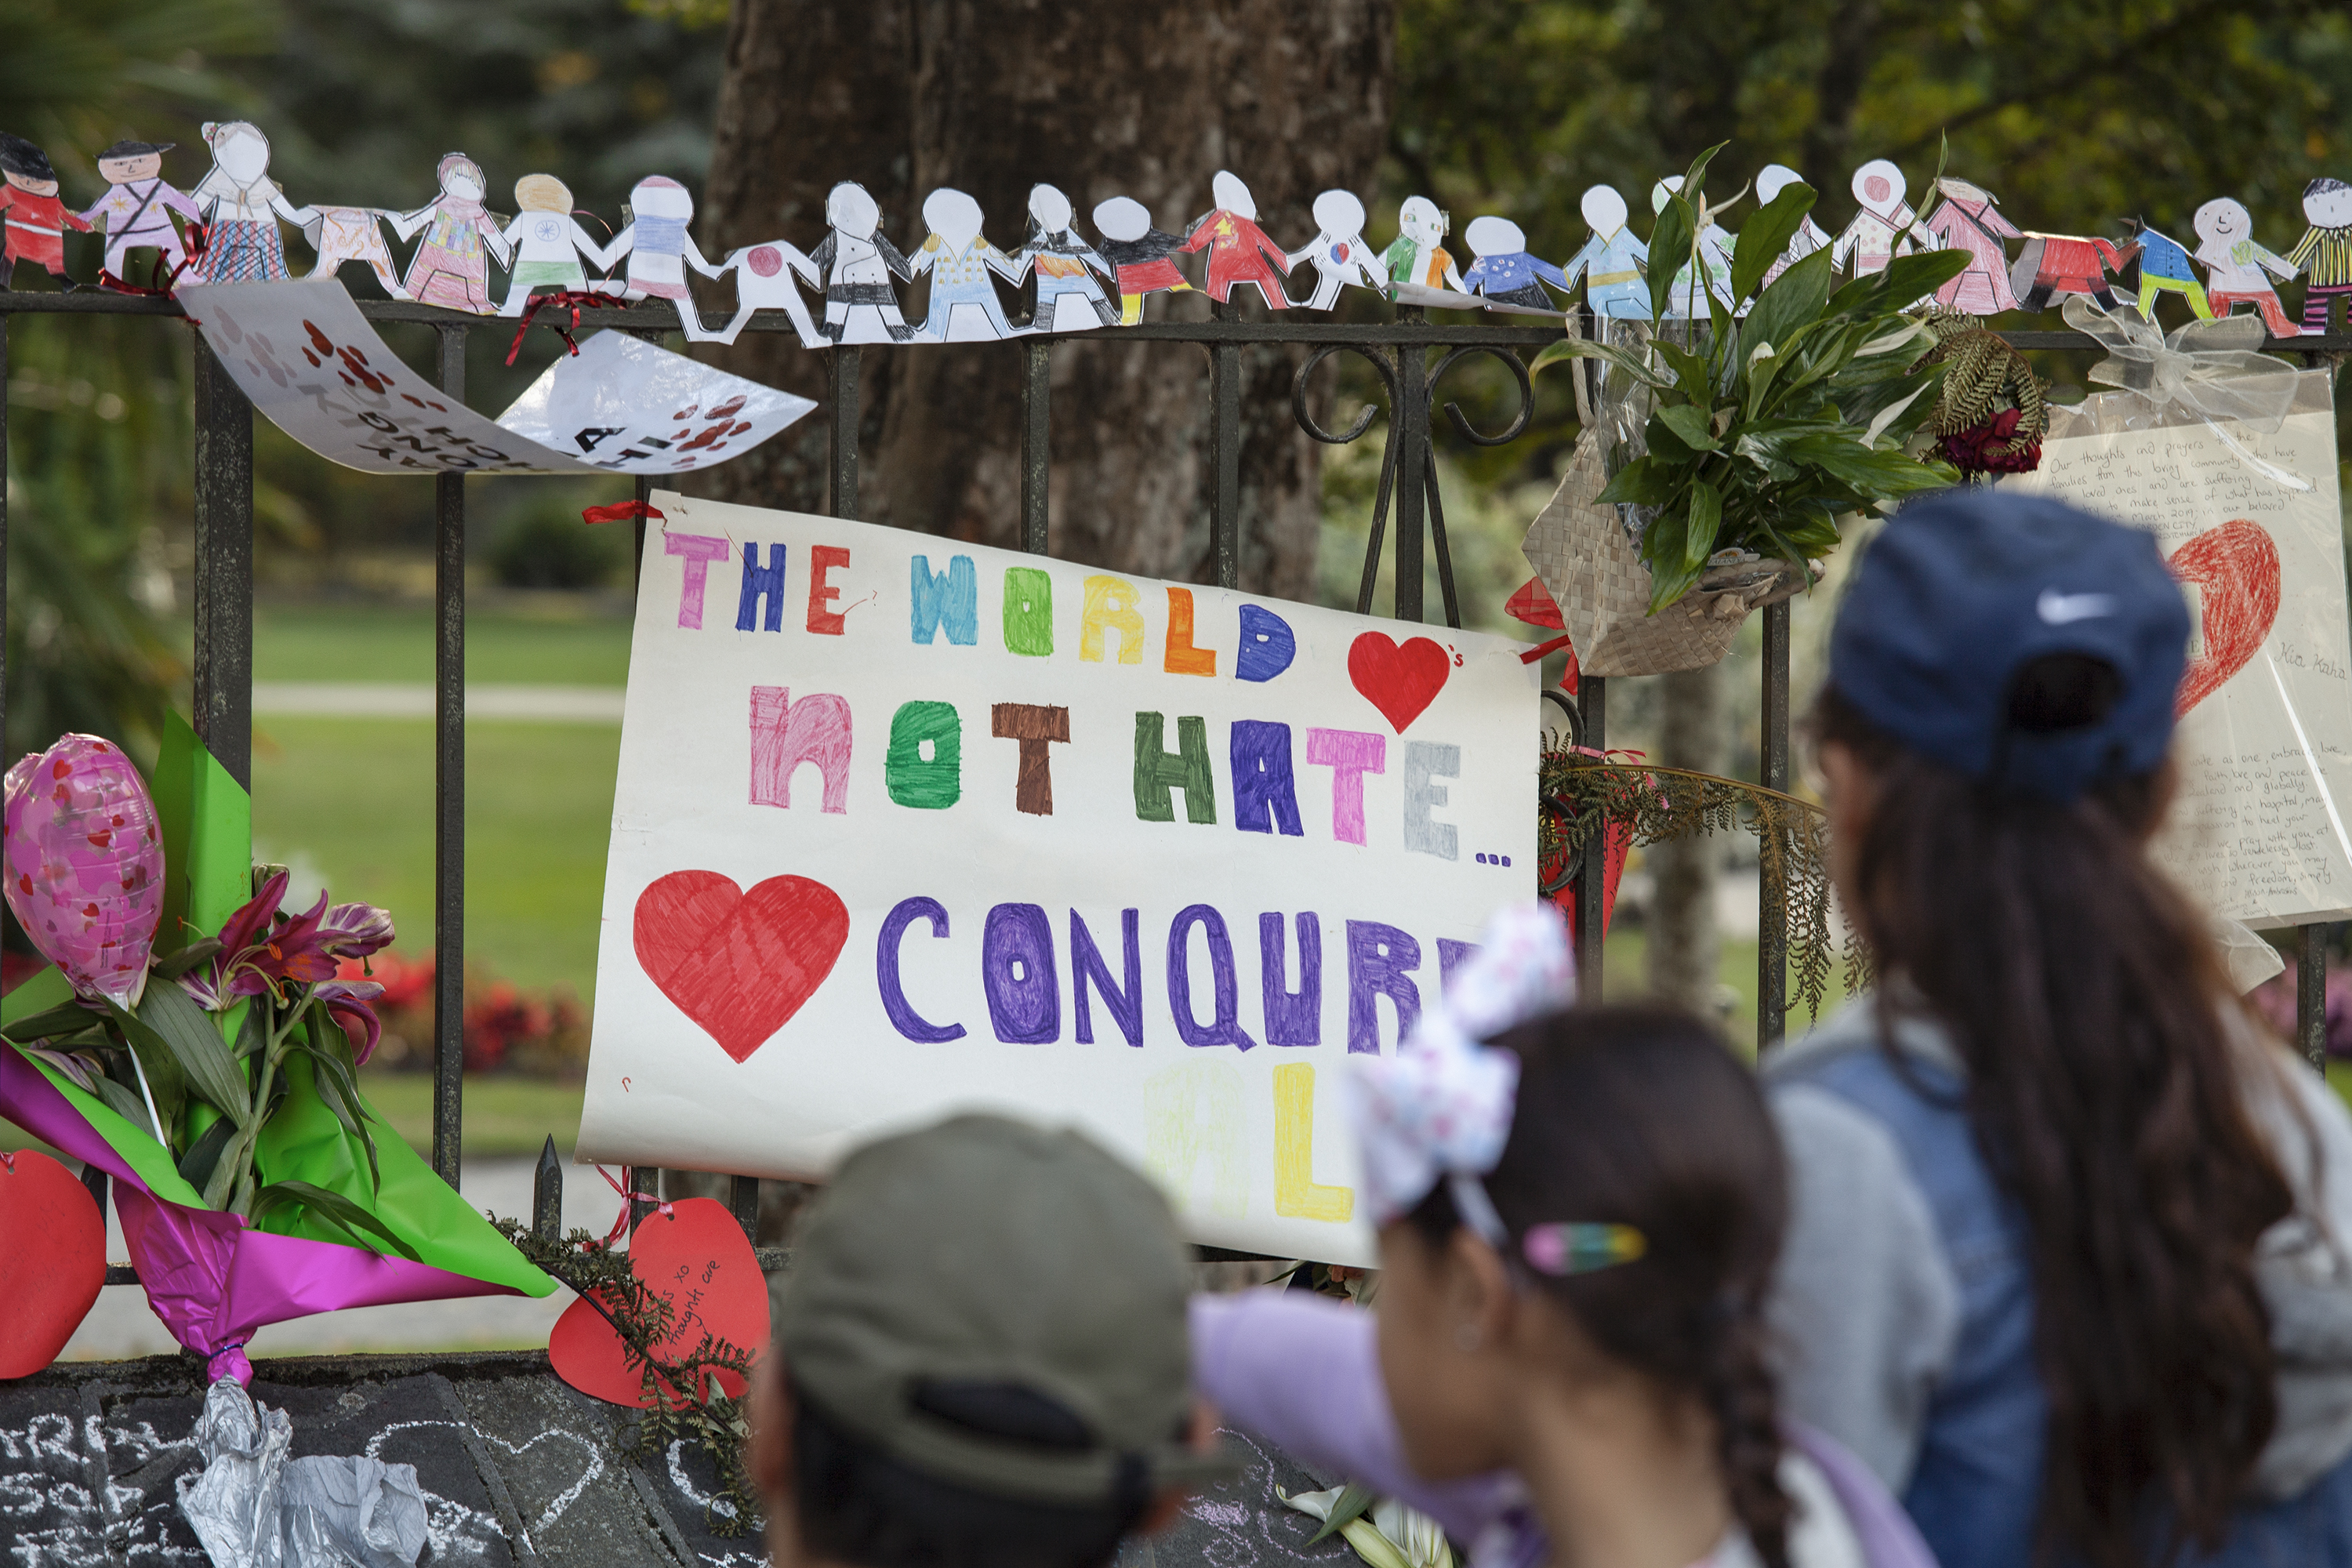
(1579, 794)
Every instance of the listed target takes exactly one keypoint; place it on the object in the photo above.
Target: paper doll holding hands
(2325, 251)
(451, 266)
(1141, 256)
(241, 206)
(1418, 254)
(960, 261)
(1881, 231)
(1504, 271)
(1970, 220)
(2164, 269)
(764, 281)
(1771, 181)
(2237, 271)
(1068, 298)
(1239, 251)
(547, 241)
(32, 218)
(1715, 250)
(1610, 262)
(138, 206)
(660, 249)
(1339, 253)
(858, 262)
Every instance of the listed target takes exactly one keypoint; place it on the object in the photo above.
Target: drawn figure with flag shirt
(1338, 252)
(1141, 256)
(1239, 251)
(1418, 254)
(1504, 271)
(1068, 298)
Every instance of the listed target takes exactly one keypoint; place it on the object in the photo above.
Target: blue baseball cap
(1963, 589)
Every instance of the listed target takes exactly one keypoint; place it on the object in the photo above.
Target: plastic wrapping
(253, 1507)
(2245, 510)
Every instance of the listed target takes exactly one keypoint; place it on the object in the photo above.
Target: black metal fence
(1408, 357)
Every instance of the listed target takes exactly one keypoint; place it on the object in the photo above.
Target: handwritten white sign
(905, 824)
(310, 361)
(2249, 523)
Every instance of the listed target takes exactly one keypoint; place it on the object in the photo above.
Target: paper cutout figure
(56, 1245)
(2052, 265)
(1142, 258)
(1418, 254)
(1967, 220)
(2237, 269)
(35, 219)
(1881, 231)
(136, 211)
(1502, 270)
(1714, 247)
(858, 261)
(1340, 255)
(1239, 251)
(2164, 269)
(352, 234)
(242, 205)
(1771, 181)
(451, 266)
(2325, 252)
(959, 258)
(547, 241)
(764, 281)
(1612, 261)
(660, 249)
(1061, 259)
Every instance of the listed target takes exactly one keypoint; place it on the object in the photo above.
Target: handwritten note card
(905, 825)
(2249, 524)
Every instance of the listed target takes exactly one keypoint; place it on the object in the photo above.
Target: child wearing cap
(1578, 1214)
(2067, 1261)
(980, 1359)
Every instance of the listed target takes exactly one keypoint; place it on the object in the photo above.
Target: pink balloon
(84, 862)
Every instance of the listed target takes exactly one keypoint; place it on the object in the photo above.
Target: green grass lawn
(504, 1117)
(560, 644)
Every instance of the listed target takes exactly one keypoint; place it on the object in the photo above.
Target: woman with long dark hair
(2065, 1264)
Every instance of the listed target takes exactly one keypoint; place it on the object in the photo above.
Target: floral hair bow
(1441, 1108)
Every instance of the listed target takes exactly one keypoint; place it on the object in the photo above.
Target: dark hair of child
(1641, 1116)
(2083, 997)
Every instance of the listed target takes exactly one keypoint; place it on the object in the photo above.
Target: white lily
(1386, 1535)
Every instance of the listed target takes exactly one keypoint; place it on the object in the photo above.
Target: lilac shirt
(1304, 1372)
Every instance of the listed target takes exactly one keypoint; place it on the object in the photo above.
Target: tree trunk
(1685, 950)
(991, 97)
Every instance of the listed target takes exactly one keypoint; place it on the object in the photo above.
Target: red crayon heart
(739, 964)
(2236, 566)
(1398, 681)
(55, 1241)
(698, 1257)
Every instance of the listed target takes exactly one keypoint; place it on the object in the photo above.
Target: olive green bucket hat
(983, 1258)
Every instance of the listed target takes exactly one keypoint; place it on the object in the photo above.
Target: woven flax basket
(1588, 565)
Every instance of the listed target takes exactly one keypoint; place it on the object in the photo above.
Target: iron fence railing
(1408, 357)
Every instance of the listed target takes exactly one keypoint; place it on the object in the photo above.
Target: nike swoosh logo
(2057, 609)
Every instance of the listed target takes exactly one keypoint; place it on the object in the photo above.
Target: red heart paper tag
(1398, 681)
(2236, 568)
(697, 1256)
(739, 964)
(54, 1239)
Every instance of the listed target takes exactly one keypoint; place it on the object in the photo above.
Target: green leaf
(69, 1018)
(334, 1207)
(1668, 584)
(178, 964)
(1765, 236)
(1694, 177)
(1694, 378)
(1345, 1509)
(1663, 539)
(1792, 302)
(1670, 247)
(196, 1166)
(188, 1030)
(1644, 481)
(1705, 515)
(1904, 280)
(1579, 348)
(125, 1102)
(1690, 424)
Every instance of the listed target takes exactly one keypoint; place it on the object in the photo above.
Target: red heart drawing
(697, 1256)
(2236, 566)
(739, 964)
(1398, 681)
(55, 1241)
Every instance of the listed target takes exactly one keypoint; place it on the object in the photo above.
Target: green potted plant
(1787, 411)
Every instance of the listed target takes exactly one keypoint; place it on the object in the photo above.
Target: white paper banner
(905, 824)
(2249, 524)
(307, 358)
